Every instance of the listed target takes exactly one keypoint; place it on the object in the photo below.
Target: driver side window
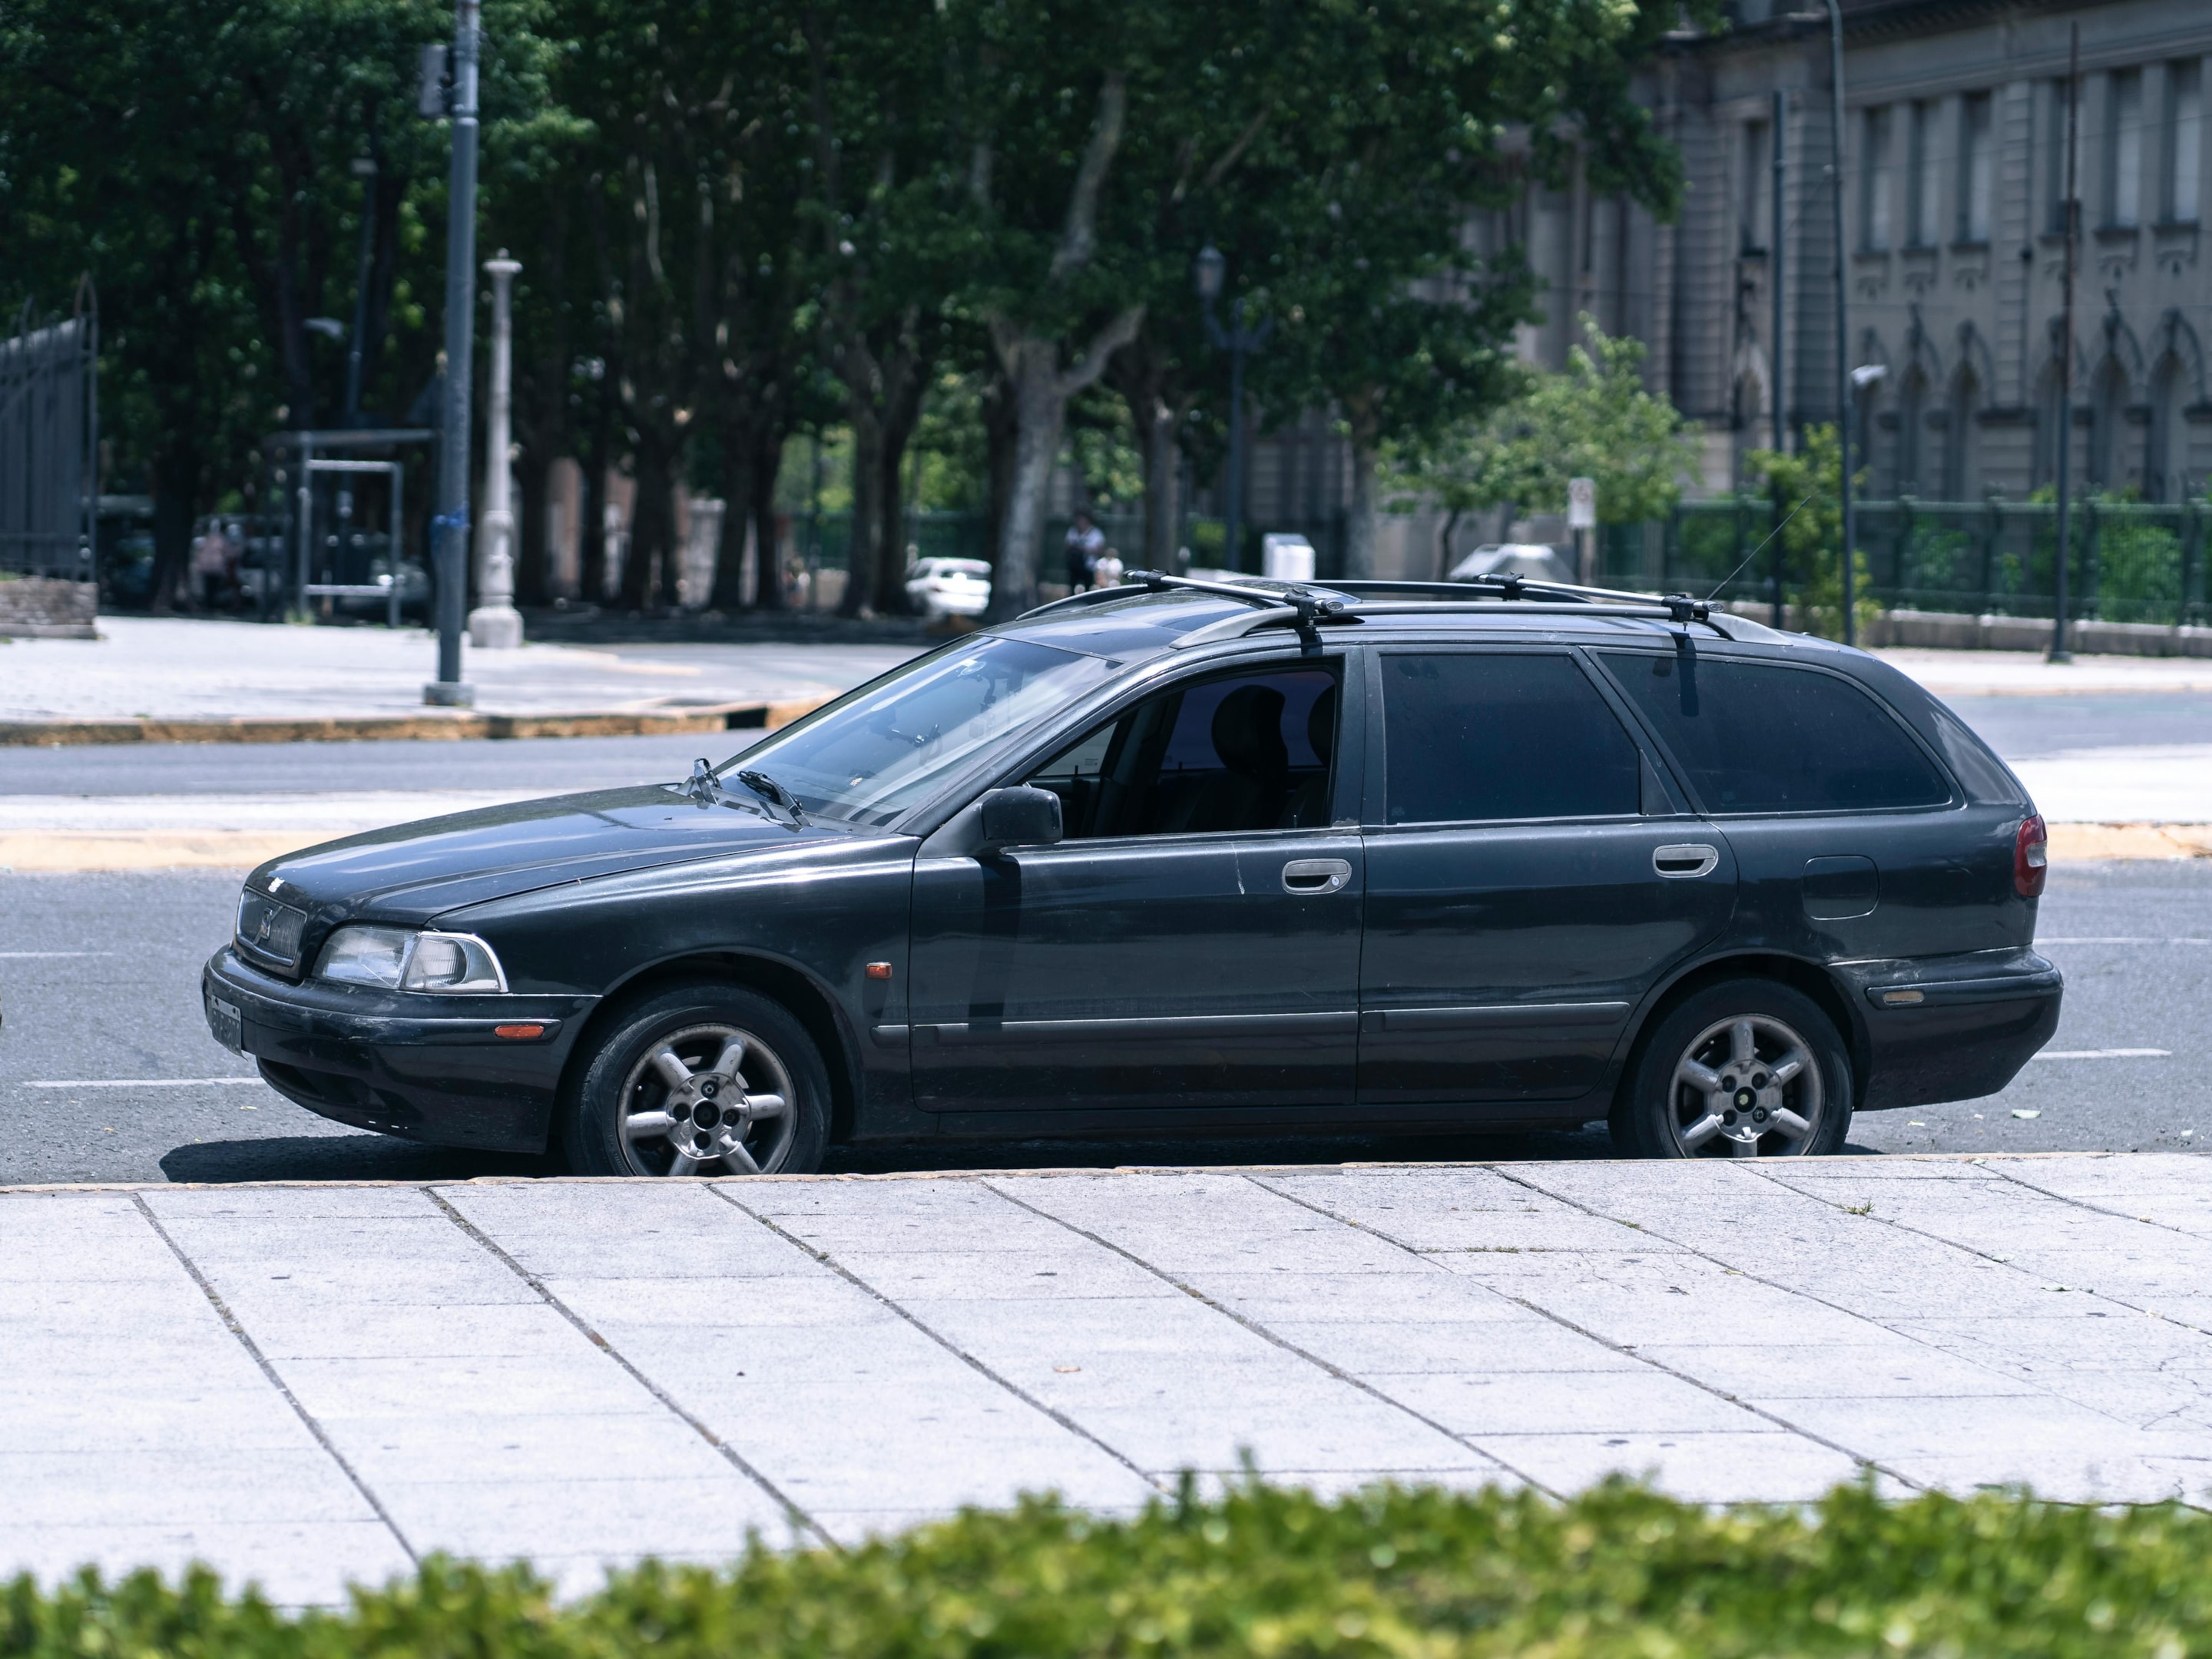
(1234, 754)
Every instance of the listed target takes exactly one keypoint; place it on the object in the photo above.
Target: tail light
(2031, 857)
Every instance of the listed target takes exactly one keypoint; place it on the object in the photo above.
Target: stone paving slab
(312, 1385)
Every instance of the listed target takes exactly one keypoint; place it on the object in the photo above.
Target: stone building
(1954, 131)
(1954, 139)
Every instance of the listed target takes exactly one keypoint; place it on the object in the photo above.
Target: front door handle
(1310, 878)
(1686, 860)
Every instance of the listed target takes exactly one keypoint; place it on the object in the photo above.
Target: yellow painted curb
(2073, 843)
(77, 851)
(450, 724)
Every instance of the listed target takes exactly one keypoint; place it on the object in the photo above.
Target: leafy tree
(1808, 508)
(1420, 110)
(1595, 420)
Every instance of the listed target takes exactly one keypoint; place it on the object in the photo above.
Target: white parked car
(949, 587)
(1533, 560)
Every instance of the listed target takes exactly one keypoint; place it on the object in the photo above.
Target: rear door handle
(1310, 878)
(1684, 860)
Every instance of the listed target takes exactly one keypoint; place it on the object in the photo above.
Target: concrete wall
(48, 608)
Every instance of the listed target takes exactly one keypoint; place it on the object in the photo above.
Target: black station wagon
(1179, 855)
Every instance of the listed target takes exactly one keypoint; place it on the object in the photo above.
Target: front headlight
(401, 959)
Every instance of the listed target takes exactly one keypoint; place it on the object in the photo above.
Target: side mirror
(1020, 817)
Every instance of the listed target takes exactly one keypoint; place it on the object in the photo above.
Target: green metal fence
(2130, 562)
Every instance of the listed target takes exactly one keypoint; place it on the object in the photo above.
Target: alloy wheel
(1746, 1087)
(709, 1099)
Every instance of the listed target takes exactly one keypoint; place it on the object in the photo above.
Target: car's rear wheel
(1746, 1069)
(702, 1079)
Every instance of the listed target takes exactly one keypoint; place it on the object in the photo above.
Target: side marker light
(517, 1032)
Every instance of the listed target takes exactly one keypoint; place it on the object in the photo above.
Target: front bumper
(1950, 1028)
(428, 1067)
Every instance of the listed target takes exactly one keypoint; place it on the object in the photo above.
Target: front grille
(269, 933)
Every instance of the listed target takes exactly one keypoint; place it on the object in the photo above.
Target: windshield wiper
(769, 790)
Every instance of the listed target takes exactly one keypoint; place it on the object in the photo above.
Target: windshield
(878, 750)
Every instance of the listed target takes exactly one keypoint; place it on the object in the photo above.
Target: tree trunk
(1040, 417)
(178, 469)
(533, 566)
(591, 534)
(1041, 393)
(863, 562)
(902, 414)
(768, 544)
(1140, 373)
(1000, 429)
(1359, 513)
(651, 527)
(740, 447)
(1361, 505)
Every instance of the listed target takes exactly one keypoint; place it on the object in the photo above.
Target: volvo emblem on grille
(262, 936)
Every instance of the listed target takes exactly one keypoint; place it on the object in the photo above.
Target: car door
(1191, 943)
(1852, 840)
(1529, 878)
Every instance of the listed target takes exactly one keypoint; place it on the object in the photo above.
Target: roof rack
(1304, 607)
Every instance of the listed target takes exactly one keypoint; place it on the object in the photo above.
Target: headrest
(1248, 732)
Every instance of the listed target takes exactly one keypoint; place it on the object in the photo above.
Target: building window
(2123, 147)
(2054, 151)
(2185, 140)
(1924, 182)
(1873, 181)
(1751, 216)
(1976, 169)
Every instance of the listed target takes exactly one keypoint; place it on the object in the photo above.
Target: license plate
(228, 1025)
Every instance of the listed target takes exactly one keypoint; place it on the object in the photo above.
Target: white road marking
(46, 955)
(139, 1082)
(2105, 1053)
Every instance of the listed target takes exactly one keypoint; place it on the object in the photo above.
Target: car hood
(416, 871)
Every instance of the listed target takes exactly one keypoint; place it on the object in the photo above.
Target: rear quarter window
(1761, 737)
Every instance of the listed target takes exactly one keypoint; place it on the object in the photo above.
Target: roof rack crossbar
(1308, 607)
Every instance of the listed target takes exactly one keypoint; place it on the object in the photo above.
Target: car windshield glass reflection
(880, 750)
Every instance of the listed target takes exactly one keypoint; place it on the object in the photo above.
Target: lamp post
(451, 526)
(1211, 271)
(1844, 379)
(2058, 652)
(496, 624)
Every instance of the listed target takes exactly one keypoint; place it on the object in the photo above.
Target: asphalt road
(107, 1072)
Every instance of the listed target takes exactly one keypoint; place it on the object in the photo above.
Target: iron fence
(48, 444)
(2128, 560)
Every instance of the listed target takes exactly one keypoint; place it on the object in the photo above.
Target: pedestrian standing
(1085, 541)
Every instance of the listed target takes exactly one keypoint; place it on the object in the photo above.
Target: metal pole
(1233, 511)
(1774, 257)
(451, 524)
(2073, 210)
(364, 168)
(1844, 426)
(1780, 392)
(495, 624)
(391, 542)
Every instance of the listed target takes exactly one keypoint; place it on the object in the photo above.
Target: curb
(441, 725)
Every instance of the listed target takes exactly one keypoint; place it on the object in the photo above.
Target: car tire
(737, 1051)
(1748, 1068)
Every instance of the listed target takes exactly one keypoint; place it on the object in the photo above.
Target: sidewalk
(312, 1385)
(177, 680)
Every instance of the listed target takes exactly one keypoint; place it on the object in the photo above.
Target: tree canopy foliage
(738, 222)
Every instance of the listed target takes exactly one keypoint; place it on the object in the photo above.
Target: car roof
(1135, 623)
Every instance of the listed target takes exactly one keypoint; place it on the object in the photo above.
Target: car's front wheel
(1746, 1069)
(699, 1079)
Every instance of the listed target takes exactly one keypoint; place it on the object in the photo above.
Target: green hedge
(1618, 1572)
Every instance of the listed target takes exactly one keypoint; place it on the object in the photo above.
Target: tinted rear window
(1494, 735)
(1756, 739)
